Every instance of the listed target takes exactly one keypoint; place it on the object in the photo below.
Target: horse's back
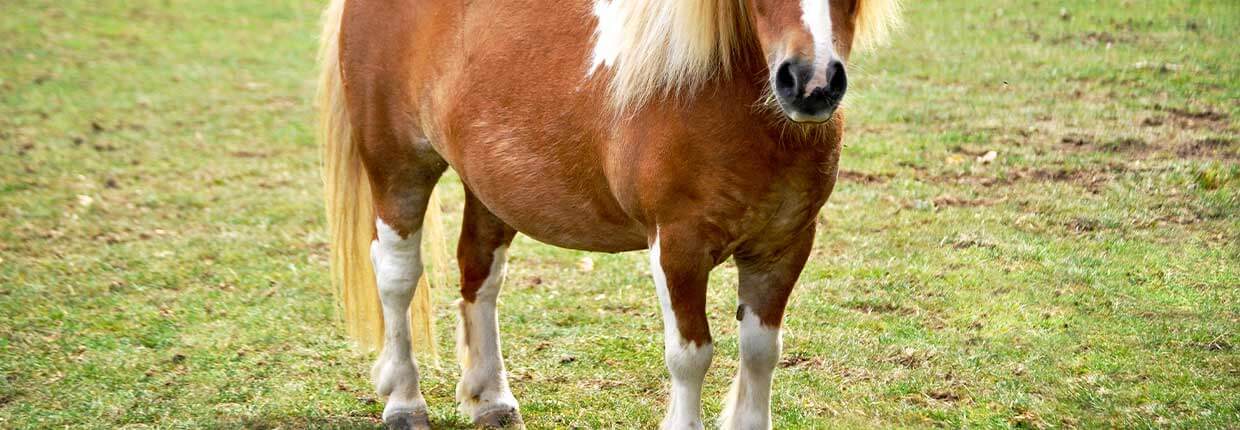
(455, 63)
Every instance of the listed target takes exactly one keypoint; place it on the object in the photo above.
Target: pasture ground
(162, 247)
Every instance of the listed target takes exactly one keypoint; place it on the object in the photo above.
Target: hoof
(408, 420)
(506, 418)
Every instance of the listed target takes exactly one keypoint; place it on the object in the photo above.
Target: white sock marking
(484, 381)
(398, 265)
(686, 362)
(749, 400)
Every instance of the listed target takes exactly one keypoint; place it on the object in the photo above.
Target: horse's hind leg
(483, 390)
(403, 170)
(377, 67)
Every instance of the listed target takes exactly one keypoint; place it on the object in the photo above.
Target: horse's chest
(773, 203)
(788, 207)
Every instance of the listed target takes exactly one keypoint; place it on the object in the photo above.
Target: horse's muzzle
(804, 98)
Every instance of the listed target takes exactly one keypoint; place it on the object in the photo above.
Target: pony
(700, 130)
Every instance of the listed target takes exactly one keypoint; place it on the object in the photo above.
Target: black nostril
(792, 79)
(786, 81)
(838, 78)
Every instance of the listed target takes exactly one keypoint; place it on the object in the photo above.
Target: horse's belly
(555, 204)
(564, 222)
(598, 235)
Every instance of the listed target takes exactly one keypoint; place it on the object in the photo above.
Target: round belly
(553, 200)
(552, 215)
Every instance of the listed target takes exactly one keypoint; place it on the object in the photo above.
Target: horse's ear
(873, 22)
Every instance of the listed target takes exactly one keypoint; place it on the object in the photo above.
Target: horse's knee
(759, 343)
(688, 361)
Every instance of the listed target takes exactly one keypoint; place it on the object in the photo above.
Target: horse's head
(806, 43)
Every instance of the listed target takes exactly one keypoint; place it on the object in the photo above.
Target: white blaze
(816, 14)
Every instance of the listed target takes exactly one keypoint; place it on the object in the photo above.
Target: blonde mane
(875, 20)
(664, 47)
(661, 48)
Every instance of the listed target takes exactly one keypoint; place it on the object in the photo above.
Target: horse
(701, 130)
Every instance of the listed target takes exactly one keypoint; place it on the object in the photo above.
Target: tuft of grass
(1213, 177)
(163, 261)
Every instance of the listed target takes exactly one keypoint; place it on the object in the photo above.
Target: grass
(162, 248)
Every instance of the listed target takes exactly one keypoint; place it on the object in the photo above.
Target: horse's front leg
(681, 267)
(766, 280)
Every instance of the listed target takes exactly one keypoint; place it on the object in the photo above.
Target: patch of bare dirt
(1210, 147)
(1091, 179)
(882, 308)
(800, 360)
(1078, 140)
(1094, 38)
(1208, 119)
(1217, 344)
(1126, 144)
(1206, 133)
(966, 242)
(947, 200)
(864, 178)
(1172, 132)
(944, 395)
(1208, 115)
(1084, 225)
(911, 357)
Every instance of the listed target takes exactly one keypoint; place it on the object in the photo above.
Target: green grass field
(163, 255)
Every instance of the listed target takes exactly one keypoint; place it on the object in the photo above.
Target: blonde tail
(350, 213)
